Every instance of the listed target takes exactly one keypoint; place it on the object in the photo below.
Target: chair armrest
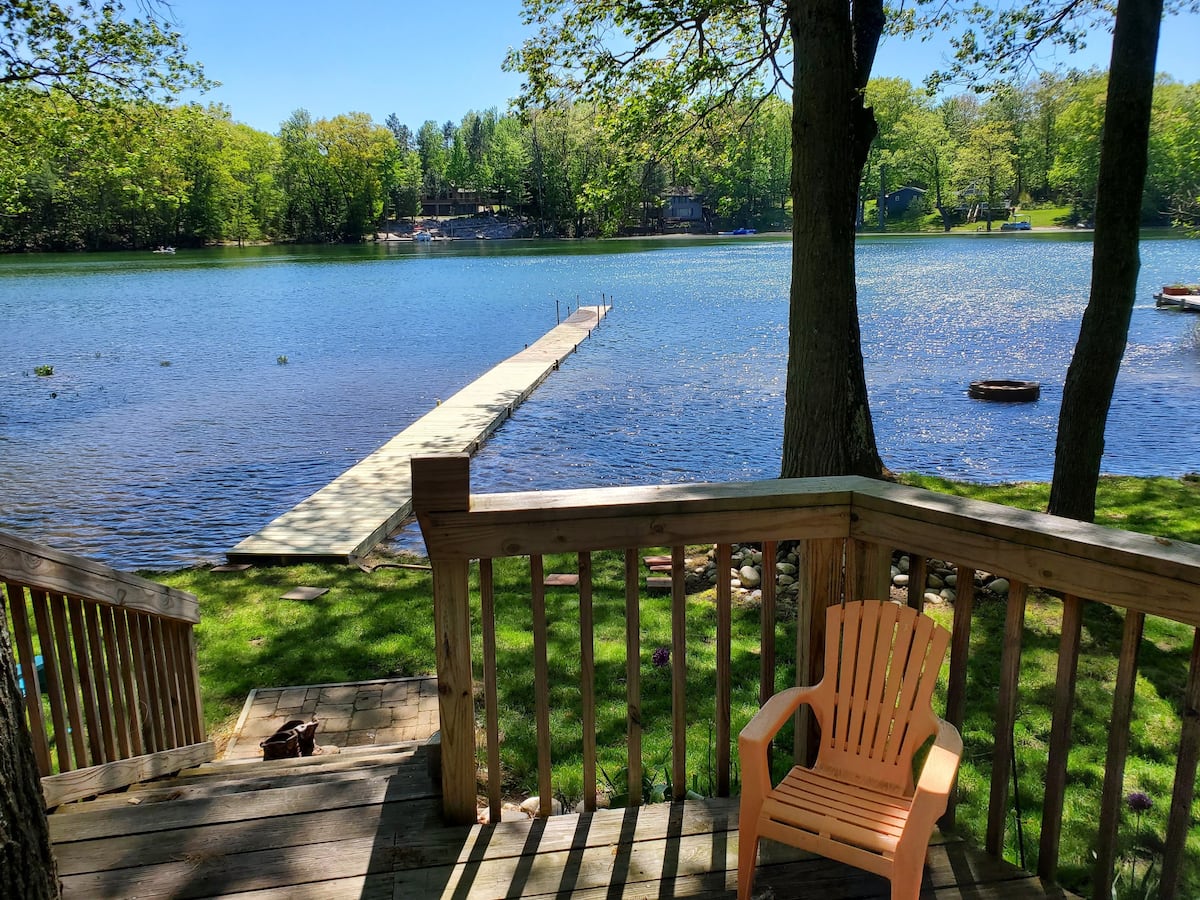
(753, 741)
(936, 781)
(766, 723)
(941, 765)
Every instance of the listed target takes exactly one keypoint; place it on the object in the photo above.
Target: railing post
(821, 586)
(443, 484)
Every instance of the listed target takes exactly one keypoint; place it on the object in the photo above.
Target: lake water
(170, 429)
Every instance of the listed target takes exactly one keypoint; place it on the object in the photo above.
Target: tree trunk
(1087, 392)
(27, 868)
(827, 426)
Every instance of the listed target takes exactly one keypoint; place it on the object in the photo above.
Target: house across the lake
(897, 202)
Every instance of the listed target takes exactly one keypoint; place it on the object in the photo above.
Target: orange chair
(858, 804)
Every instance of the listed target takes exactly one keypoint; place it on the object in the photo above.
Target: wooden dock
(349, 516)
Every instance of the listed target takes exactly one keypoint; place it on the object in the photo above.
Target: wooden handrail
(847, 530)
(109, 670)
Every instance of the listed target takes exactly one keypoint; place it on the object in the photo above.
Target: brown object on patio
(857, 804)
(295, 738)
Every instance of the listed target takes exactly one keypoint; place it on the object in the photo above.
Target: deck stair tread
(355, 511)
(214, 786)
(371, 754)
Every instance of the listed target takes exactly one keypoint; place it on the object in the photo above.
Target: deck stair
(660, 572)
(366, 823)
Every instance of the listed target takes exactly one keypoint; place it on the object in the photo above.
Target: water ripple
(169, 430)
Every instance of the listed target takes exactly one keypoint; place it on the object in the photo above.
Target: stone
(785, 568)
(948, 595)
(999, 586)
(749, 577)
(900, 580)
(785, 580)
(532, 805)
(935, 582)
(951, 580)
(931, 597)
(895, 571)
(903, 564)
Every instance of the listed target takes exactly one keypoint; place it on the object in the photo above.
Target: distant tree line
(139, 173)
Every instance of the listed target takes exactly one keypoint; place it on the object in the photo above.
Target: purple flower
(661, 657)
(1138, 801)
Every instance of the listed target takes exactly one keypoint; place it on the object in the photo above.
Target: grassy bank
(380, 624)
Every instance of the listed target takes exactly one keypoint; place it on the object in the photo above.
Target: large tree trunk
(27, 868)
(1092, 375)
(827, 426)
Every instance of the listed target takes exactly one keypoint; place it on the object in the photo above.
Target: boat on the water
(1182, 296)
(163, 250)
(422, 236)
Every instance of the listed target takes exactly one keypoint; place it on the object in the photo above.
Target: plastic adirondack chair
(857, 804)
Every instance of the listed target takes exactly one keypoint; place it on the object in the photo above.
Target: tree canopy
(94, 51)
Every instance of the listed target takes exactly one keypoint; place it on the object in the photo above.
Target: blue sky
(432, 59)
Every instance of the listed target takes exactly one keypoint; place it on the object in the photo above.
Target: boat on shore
(1182, 296)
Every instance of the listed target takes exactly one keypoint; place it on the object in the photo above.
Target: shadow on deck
(365, 824)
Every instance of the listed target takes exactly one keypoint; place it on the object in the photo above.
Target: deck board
(382, 836)
(358, 509)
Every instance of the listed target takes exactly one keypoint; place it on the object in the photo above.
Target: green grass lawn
(381, 624)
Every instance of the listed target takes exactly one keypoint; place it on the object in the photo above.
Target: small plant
(569, 791)
(1128, 885)
(281, 360)
(165, 363)
(654, 789)
(43, 371)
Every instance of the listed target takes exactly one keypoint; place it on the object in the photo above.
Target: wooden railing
(107, 665)
(847, 529)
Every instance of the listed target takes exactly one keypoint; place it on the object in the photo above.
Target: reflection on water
(170, 430)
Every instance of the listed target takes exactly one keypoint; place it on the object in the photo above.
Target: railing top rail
(1171, 558)
(458, 525)
(1152, 574)
(37, 566)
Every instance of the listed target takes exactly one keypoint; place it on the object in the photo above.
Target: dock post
(442, 484)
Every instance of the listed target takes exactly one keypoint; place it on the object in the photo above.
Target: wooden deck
(365, 824)
(358, 509)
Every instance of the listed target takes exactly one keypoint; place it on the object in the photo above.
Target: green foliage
(43, 371)
(94, 52)
(577, 158)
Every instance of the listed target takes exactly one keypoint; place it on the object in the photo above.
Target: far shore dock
(346, 519)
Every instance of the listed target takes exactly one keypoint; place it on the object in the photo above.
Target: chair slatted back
(881, 667)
